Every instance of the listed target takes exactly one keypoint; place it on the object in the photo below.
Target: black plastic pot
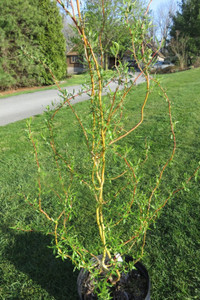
(144, 272)
(139, 266)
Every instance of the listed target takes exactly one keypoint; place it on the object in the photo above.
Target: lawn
(28, 268)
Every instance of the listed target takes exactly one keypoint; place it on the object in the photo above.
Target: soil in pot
(133, 286)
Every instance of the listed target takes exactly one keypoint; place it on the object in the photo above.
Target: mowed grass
(28, 268)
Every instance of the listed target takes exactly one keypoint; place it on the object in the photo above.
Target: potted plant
(103, 193)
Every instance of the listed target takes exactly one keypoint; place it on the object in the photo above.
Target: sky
(156, 3)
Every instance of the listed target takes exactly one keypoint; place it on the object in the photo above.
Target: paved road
(20, 107)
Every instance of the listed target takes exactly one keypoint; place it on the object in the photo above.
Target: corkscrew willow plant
(115, 194)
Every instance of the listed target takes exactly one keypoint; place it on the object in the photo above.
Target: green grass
(28, 268)
(73, 80)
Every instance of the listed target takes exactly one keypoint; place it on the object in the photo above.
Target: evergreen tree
(32, 27)
(52, 40)
(187, 23)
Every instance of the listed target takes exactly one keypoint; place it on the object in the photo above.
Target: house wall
(160, 58)
(73, 64)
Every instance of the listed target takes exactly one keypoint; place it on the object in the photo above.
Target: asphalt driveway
(23, 106)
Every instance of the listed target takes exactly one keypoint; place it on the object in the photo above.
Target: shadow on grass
(31, 255)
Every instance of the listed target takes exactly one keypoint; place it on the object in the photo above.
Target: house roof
(155, 49)
(72, 53)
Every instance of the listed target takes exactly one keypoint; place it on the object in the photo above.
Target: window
(74, 59)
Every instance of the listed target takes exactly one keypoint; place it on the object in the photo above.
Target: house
(74, 64)
(156, 53)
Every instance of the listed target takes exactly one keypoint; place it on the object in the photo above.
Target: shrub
(34, 28)
(197, 62)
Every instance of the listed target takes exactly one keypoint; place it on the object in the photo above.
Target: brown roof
(72, 53)
(154, 49)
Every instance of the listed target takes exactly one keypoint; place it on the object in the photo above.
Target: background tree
(69, 32)
(108, 22)
(107, 25)
(32, 27)
(187, 23)
(161, 22)
(52, 42)
(163, 19)
(178, 46)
